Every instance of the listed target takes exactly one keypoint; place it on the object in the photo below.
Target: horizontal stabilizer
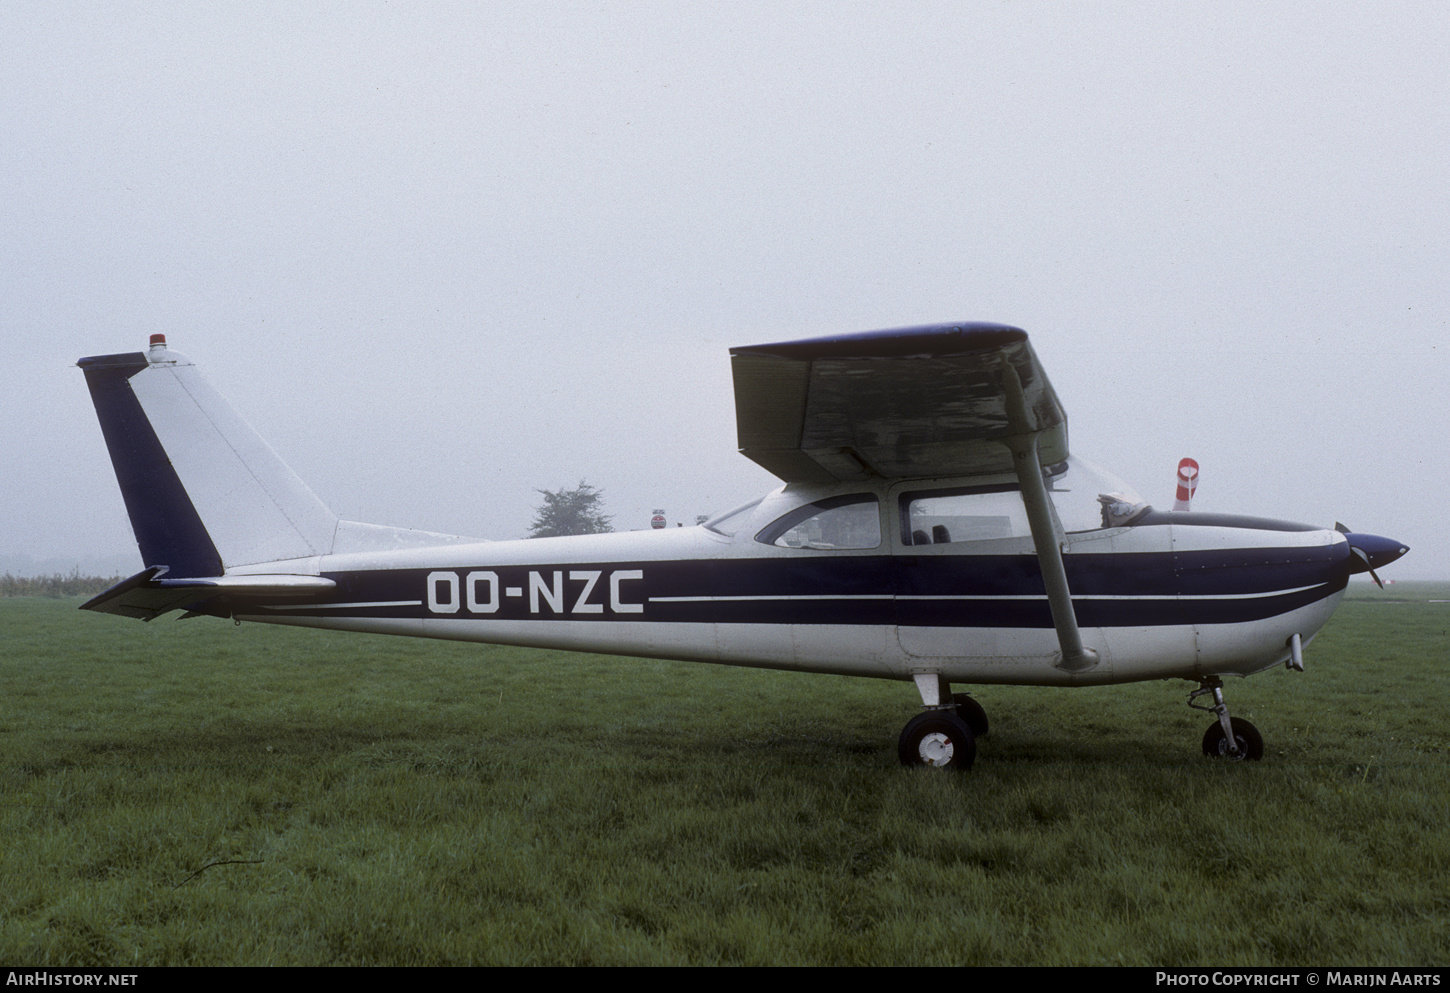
(146, 596)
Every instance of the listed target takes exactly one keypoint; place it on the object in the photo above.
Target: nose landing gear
(1229, 737)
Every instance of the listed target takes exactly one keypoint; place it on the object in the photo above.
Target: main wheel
(937, 738)
(969, 710)
(1246, 736)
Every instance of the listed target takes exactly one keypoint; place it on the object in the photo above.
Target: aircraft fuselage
(1169, 598)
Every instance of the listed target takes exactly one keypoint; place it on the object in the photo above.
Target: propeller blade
(1360, 554)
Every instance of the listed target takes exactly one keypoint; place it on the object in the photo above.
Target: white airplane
(932, 527)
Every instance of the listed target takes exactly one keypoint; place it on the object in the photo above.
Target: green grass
(198, 793)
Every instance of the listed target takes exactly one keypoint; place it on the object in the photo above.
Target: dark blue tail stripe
(167, 526)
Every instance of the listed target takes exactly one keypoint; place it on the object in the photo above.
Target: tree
(573, 511)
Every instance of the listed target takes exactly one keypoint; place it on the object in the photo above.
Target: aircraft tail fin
(204, 492)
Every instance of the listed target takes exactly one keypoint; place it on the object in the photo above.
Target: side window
(841, 522)
(947, 516)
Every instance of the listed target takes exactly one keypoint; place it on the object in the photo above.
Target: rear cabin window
(852, 521)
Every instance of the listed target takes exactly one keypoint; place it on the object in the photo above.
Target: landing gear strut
(1228, 737)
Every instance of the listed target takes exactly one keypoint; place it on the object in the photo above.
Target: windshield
(1088, 498)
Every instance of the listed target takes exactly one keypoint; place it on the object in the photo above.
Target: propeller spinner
(1369, 551)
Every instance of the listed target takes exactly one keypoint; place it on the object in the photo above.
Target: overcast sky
(442, 255)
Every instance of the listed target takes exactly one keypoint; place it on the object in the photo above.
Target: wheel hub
(1243, 748)
(936, 749)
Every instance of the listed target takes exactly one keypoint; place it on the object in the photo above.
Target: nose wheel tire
(1246, 736)
(937, 738)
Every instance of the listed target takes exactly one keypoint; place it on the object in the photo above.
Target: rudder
(204, 492)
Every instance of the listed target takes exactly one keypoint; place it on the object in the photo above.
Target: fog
(444, 255)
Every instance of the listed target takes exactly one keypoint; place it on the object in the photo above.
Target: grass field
(198, 793)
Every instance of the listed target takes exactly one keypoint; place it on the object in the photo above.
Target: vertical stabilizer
(204, 492)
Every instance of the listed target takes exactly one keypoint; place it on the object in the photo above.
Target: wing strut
(1023, 444)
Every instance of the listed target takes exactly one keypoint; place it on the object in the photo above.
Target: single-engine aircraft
(933, 527)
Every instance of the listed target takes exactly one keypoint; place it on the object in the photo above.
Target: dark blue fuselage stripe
(1125, 590)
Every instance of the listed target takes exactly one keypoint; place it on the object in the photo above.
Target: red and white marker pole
(1187, 483)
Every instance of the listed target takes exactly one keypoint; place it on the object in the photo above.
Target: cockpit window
(1084, 497)
(942, 517)
(852, 521)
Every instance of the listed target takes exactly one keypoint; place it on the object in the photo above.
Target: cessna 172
(933, 527)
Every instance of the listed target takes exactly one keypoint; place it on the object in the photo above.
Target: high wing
(934, 400)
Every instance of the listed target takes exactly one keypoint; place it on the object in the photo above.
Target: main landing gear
(945, 734)
(1228, 737)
